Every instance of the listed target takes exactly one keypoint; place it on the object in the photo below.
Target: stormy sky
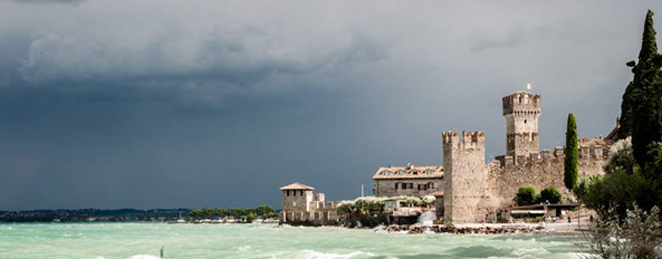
(166, 103)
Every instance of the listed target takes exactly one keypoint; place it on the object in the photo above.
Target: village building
(408, 181)
(469, 189)
(301, 206)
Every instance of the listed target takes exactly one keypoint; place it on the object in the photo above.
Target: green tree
(249, 217)
(653, 177)
(208, 212)
(236, 213)
(220, 212)
(263, 211)
(195, 213)
(571, 153)
(621, 188)
(647, 56)
(526, 195)
(621, 157)
(645, 95)
(551, 195)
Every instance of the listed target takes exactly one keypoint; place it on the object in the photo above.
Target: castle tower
(521, 110)
(466, 175)
(295, 199)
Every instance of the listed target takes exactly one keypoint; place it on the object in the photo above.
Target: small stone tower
(466, 175)
(521, 110)
(295, 199)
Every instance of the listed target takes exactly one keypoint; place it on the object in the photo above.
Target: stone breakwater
(418, 229)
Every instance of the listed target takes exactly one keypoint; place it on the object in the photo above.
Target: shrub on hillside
(551, 195)
(526, 195)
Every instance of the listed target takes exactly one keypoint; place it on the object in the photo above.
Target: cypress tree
(647, 55)
(571, 153)
(644, 97)
(625, 120)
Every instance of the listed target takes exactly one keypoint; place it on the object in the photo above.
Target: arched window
(301, 192)
(430, 185)
(396, 186)
(386, 172)
(429, 171)
(401, 172)
(414, 172)
(288, 192)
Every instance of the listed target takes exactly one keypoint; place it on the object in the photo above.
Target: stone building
(521, 111)
(475, 189)
(470, 188)
(410, 180)
(301, 206)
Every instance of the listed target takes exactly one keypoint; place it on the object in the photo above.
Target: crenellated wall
(466, 176)
(303, 207)
(521, 111)
(542, 170)
(474, 189)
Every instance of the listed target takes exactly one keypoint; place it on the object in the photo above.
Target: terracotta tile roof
(409, 172)
(296, 186)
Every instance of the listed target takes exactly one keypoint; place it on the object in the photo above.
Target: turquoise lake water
(143, 240)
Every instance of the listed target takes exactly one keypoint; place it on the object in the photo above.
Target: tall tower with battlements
(521, 110)
(465, 175)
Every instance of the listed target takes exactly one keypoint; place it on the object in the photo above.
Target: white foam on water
(144, 257)
(528, 251)
(277, 254)
(244, 248)
(582, 255)
(520, 257)
(427, 218)
(311, 254)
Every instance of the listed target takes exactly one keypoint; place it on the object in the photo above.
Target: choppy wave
(311, 254)
(143, 241)
(144, 257)
(530, 251)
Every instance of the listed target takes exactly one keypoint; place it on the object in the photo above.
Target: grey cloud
(486, 40)
(66, 2)
(240, 58)
(171, 103)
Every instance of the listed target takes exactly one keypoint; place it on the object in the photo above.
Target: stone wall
(466, 176)
(320, 213)
(386, 187)
(307, 209)
(542, 170)
(521, 110)
(296, 200)
(474, 190)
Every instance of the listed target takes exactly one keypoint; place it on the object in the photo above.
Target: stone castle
(300, 206)
(472, 189)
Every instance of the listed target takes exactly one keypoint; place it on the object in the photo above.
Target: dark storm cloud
(242, 57)
(208, 103)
